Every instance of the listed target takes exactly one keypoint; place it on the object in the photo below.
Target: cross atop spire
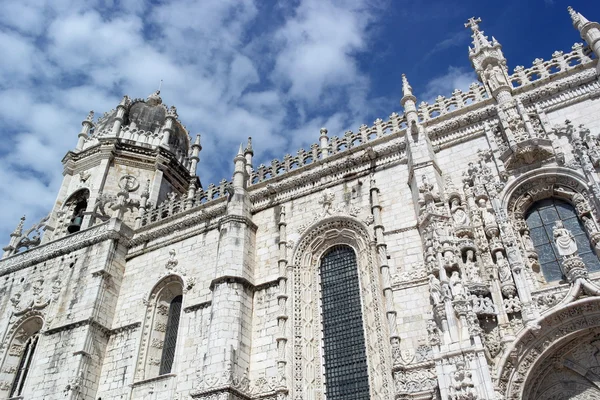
(480, 41)
(473, 23)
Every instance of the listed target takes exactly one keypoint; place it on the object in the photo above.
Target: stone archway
(558, 359)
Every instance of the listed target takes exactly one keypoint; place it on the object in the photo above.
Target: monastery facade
(448, 252)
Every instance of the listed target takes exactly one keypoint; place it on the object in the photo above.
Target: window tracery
(19, 355)
(161, 328)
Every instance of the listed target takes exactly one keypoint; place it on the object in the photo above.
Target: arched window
(541, 218)
(159, 336)
(18, 360)
(168, 353)
(24, 365)
(346, 373)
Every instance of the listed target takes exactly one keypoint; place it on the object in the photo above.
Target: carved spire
(480, 41)
(590, 31)
(248, 148)
(19, 229)
(577, 19)
(406, 88)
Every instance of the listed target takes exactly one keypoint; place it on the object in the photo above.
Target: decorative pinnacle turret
(90, 116)
(406, 88)
(19, 229)
(577, 19)
(480, 41)
(248, 149)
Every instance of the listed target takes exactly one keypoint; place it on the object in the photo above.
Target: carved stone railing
(559, 63)
(336, 145)
(457, 101)
(175, 204)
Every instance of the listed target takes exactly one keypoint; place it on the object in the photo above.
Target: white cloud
(455, 78)
(230, 74)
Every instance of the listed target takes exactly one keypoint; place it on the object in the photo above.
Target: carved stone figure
(494, 77)
(565, 242)
(459, 215)
(458, 290)
(462, 385)
(435, 289)
(471, 268)
(504, 272)
(527, 242)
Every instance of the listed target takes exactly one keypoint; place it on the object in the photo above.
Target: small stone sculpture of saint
(458, 290)
(435, 289)
(494, 76)
(503, 268)
(458, 213)
(527, 242)
(564, 240)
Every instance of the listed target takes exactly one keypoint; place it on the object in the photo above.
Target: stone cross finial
(473, 23)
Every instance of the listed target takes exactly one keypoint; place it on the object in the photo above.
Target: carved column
(384, 269)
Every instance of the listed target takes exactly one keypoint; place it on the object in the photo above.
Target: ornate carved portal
(560, 360)
(308, 355)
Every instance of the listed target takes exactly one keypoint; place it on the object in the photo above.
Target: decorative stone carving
(411, 381)
(458, 290)
(565, 242)
(462, 384)
(435, 289)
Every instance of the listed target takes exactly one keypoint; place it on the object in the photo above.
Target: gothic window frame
(540, 221)
(562, 183)
(307, 353)
(154, 331)
(331, 371)
(20, 352)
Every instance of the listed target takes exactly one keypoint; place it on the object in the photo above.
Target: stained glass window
(346, 374)
(168, 354)
(541, 218)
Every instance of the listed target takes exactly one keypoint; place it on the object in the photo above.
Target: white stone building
(449, 252)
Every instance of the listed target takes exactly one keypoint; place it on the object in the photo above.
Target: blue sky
(273, 70)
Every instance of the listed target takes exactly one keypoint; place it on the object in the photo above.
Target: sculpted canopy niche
(308, 369)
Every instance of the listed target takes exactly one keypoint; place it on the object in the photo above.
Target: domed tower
(132, 156)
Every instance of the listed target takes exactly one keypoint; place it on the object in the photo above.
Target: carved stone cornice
(73, 325)
(124, 328)
(113, 229)
(317, 175)
(170, 229)
(237, 219)
(198, 306)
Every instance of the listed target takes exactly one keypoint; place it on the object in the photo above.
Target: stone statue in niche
(488, 217)
(503, 268)
(458, 290)
(494, 77)
(459, 215)
(565, 242)
(435, 289)
(527, 242)
(590, 226)
(471, 268)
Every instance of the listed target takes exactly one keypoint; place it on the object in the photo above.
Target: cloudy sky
(273, 70)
